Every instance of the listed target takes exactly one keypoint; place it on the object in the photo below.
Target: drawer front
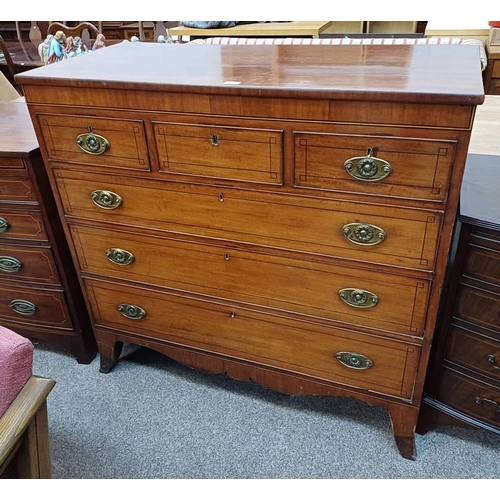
(483, 263)
(400, 167)
(126, 141)
(11, 162)
(474, 351)
(294, 223)
(17, 190)
(257, 278)
(251, 155)
(25, 225)
(479, 307)
(264, 339)
(27, 264)
(34, 306)
(469, 396)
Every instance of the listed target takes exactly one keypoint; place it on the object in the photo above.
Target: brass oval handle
(363, 234)
(368, 168)
(479, 401)
(106, 199)
(356, 297)
(10, 264)
(132, 311)
(120, 256)
(491, 359)
(23, 307)
(4, 225)
(91, 143)
(354, 360)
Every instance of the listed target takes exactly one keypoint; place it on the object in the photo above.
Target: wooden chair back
(86, 31)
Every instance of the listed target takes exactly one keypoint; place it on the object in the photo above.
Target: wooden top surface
(17, 135)
(290, 28)
(480, 186)
(396, 73)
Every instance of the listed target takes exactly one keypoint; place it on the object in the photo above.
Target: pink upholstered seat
(16, 366)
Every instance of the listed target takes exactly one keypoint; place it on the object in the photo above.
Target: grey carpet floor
(151, 417)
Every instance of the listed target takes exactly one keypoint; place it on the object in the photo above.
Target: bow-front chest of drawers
(279, 214)
(40, 296)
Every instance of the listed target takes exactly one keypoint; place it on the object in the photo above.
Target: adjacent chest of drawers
(464, 377)
(279, 214)
(492, 72)
(40, 295)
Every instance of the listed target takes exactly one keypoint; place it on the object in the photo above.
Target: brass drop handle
(355, 297)
(4, 225)
(368, 168)
(491, 359)
(363, 234)
(10, 265)
(354, 360)
(23, 307)
(132, 311)
(479, 401)
(91, 143)
(120, 256)
(106, 199)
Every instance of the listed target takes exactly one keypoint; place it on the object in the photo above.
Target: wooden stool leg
(404, 421)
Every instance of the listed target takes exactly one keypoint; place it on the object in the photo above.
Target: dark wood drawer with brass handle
(470, 396)
(363, 361)
(26, 263)
(22, 225)
(34, 306)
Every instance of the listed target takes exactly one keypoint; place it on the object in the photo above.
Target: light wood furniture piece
(24, 433)
(292, 28)
(40, 296)
(464, 378)
(492, 73)
(281, 214)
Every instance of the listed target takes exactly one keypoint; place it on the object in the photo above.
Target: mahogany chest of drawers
(40, 296)
(279, 214)
(463, 386)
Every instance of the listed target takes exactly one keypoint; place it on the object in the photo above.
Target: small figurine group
(57, 47)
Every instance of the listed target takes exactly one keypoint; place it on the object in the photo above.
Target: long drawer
(36, 306)
(22, 225)
(28, 263)
(370, 164)
(349, 230)
(362, 361)
(343, 294)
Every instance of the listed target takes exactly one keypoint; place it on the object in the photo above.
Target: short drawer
(478, 306)
(28, 264)
(377, 165)
(470, 396)
(22, 225)
(17, 190)
(47, 308)
(474, 351)
(7, 162)
(369, 363)
(342, 294)
(106, 142)
(243, 154)
(482, 261)
(409, 237)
